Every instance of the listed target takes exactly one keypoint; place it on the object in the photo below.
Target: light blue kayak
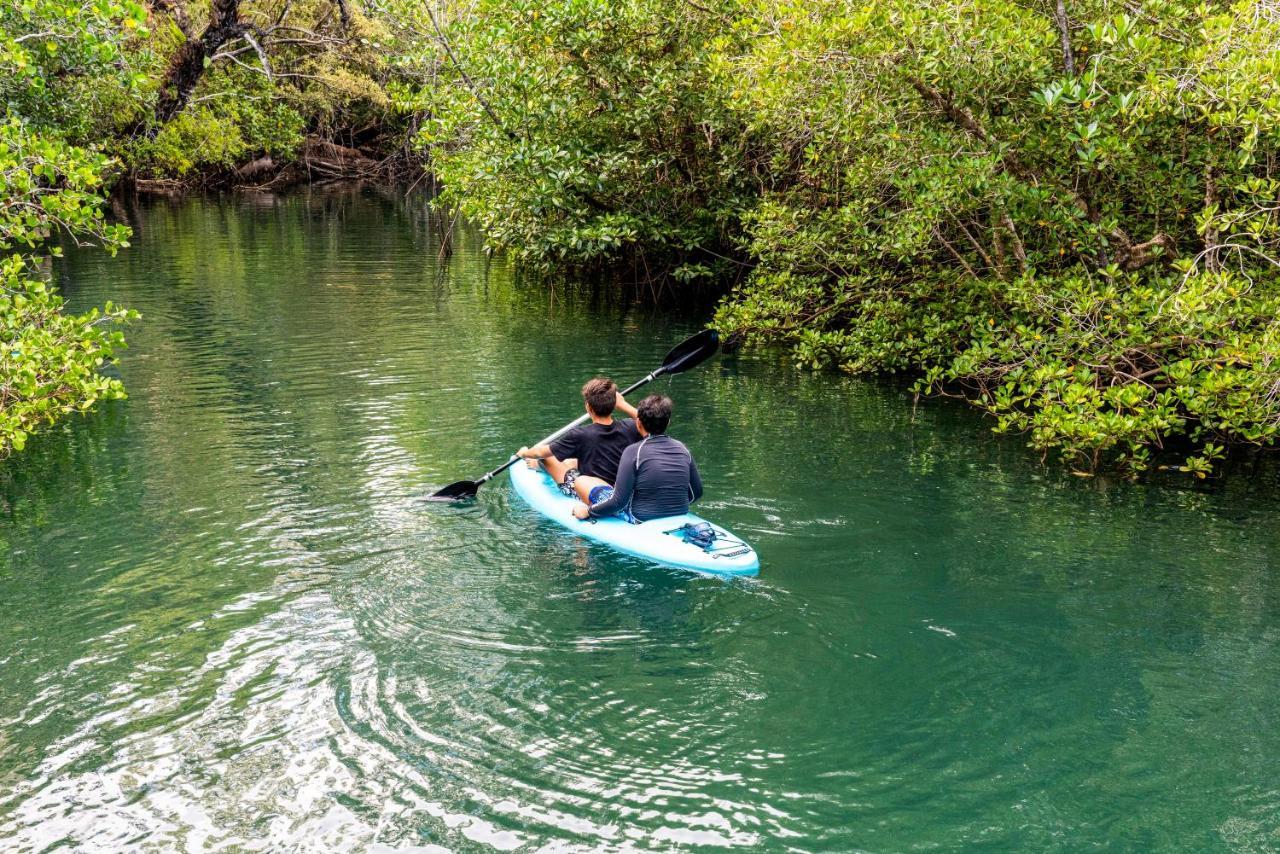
(658, 540)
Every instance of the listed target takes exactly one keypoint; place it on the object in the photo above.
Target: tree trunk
(1211, 261)
(188, 63)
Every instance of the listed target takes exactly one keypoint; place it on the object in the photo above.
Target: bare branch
(1019, 251)
(466, 78)
(1064, 33)
(233, 56)
(1142, 254)
(938, 234)
(257, 48)
(973, 241)
(1211, 260)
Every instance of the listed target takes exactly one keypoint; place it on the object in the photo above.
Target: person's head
(601, 396)
(654, 413)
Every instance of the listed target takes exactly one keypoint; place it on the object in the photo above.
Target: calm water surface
(230, 621)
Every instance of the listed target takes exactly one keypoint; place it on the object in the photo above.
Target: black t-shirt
(598, 447)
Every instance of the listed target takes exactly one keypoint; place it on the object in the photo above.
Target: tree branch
(1019, 251)
(1064, 33)
(466, 78)
(257, 48)
(1212, 263)
(977, 247)
(1142, 254)
(938, 234)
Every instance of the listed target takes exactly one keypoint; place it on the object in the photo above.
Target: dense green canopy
(1065, 212)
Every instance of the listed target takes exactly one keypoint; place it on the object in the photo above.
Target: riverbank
(316, 162)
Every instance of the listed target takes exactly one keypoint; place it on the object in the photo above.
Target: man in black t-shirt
(591, 449)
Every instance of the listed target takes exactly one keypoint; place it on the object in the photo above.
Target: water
(231, 621)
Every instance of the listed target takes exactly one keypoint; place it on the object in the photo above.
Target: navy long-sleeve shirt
(657, 477)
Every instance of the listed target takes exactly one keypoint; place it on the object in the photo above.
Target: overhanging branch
(1129, 256)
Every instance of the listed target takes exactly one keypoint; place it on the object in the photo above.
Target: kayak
(659, 540)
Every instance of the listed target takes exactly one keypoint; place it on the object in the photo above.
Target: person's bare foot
(533, 464)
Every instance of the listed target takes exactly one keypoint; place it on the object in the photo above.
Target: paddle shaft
(581, 419)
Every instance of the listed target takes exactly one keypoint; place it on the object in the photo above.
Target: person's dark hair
(654, 413)
(601, 395)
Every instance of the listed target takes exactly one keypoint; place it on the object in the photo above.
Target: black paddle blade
(691, 351)
(458, 491)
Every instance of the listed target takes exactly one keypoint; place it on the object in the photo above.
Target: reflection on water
(231, 620)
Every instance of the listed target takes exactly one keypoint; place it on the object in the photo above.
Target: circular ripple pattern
(233, 623)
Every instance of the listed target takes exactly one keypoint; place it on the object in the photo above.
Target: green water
(229, 620)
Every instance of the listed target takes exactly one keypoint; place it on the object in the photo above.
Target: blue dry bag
(701, 535)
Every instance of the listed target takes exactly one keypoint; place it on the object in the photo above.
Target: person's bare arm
(537, 452)
(624, 407)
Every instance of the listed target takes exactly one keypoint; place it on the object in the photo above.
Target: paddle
(685, 355)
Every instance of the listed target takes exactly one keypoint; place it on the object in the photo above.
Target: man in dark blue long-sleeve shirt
(656, 476)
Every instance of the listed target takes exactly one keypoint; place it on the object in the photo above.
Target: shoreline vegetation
(1064, 213)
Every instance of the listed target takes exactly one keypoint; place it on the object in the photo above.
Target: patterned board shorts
(598, 494)
(604, 493)
(567, 487)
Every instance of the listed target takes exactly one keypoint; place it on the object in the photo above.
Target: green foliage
(49, 359)
(245, 120)
(197, 138)
(1083, 244)
(309, 73)
(1072, 223)
(70, 65)
(1088, 253)
(576, 130)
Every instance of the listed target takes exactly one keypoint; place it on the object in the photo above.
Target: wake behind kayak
(659, 540)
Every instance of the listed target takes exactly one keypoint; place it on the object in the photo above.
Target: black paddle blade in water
(457, 491)
(691, 352)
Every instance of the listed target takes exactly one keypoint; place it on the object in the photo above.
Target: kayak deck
(657, 540)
